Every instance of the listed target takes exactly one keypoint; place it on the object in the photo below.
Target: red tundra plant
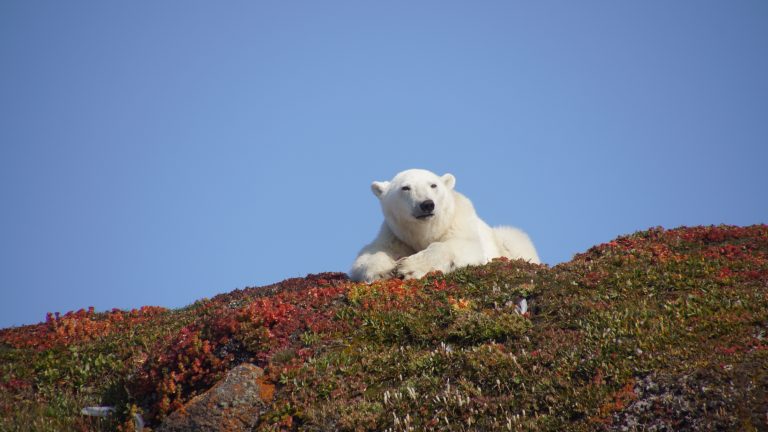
(76, 327)
(674, 245)
(227, 335)
(716, 234)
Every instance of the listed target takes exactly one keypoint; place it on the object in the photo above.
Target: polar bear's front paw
(372, 276)
(413, 267)
(372, 267)
(388, 274)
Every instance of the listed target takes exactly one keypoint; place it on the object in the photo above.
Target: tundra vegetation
(658, 330)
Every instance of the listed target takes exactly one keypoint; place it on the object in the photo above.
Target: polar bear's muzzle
(425, 210)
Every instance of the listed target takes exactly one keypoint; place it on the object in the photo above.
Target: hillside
(658, 330)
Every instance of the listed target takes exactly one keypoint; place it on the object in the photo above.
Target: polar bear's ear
(449, 180)
(379, 188)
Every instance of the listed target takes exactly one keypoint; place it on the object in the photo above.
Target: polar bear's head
(418, 205)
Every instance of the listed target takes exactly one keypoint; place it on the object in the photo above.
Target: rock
(97, 411)
(232, 405)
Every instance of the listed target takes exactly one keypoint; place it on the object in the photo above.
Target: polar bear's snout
(427, 206)
(427, 209)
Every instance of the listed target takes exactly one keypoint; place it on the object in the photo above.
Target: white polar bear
(429, 226)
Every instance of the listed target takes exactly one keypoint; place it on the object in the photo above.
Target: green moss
(472, 327)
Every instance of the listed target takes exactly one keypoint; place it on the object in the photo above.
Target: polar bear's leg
(515, 244)
(372, 265)
(443, 256)
(378, 259)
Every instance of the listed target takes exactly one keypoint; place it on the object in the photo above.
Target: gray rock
(232, 405)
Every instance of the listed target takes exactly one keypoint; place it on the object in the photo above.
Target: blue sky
(155, 153)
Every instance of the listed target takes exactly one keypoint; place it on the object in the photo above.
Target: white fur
(453, 237)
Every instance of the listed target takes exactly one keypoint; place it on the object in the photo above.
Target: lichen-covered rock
(231, 405)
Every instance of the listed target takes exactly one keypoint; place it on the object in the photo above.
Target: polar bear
(429, 226)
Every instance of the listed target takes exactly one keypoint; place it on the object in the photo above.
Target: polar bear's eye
(434, 186)
(405, 188)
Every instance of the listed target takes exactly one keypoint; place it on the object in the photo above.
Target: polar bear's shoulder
(464, 209)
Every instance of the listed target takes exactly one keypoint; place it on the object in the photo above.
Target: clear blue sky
(158, 152)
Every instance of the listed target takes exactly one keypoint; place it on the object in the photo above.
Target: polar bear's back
(515, 244)
(494, 242)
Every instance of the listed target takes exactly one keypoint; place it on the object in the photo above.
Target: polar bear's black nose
(427, 206)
